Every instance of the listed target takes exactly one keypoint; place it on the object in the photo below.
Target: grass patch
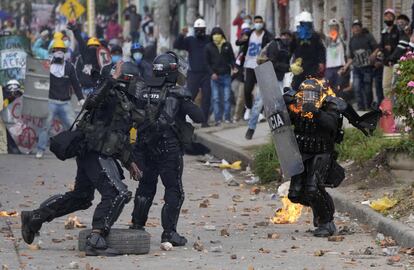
(266, 164)
(404, 145)
(356, 146)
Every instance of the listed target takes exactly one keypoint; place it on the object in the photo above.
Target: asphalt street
(250, 242)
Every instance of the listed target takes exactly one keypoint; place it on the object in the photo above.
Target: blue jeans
(362, 86)
(61, 109)
(221, 93)
(258, 106)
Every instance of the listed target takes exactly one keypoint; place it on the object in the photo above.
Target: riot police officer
(104, 129)
(159, 145)
(316, 114)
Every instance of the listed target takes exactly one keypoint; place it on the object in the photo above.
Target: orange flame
(8, 214)
(288, 214)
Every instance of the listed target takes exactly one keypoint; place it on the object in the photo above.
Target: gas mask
(58, 57)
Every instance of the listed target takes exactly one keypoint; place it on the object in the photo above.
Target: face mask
(67, 43)
(200, 32)
(116, 58)
(218, 39)
(137, 57)
(389, 23)
(304, 31)
(258, 26)
(333, 34)
(248, 21)
(58, 54)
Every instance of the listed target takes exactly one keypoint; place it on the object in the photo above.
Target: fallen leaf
(264, 250)
(233, 256)
(336, 238)
(224, 232)
(319, 253)
(214, 196)
(273, 236)
(204, 204)
(198, 245)
(294, 247)
(184, 211)
(255, 190)
(237, 198)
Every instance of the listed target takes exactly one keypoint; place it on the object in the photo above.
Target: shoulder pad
(341, 104)
(180, 92)
(155, 81)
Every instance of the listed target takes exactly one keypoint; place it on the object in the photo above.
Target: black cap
(357, 22)
(116, 49)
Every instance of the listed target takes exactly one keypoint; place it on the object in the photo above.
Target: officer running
(159, 146)
(109, 116)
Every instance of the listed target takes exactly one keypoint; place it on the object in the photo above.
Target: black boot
(325, 229)
(174, 238)
(96, 246)
(142, 206)
(31, 224)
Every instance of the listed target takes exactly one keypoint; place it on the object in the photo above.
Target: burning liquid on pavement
(288, 214)
(8, 214)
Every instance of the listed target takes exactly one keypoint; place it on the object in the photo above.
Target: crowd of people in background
(221, 75)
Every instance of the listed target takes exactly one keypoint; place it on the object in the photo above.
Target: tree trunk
(162, 20)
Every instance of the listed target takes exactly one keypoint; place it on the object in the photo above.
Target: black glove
(72, 25)
(310, 108)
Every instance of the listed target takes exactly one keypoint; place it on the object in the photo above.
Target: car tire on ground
(126, 241)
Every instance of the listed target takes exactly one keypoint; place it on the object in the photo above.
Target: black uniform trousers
(307, 188)
(195, 81)
(169, 166)
(94, 172)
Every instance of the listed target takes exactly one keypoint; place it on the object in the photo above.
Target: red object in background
(283, 2)
(386, 122)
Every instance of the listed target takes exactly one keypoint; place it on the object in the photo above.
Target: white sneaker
(39, 154)
(261, 118)
(246, 115)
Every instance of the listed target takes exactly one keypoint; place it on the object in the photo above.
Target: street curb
(223, 149)
(401, 233)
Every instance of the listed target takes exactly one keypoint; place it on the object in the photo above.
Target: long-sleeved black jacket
(195, 47)
(60, 88)
(219, 61)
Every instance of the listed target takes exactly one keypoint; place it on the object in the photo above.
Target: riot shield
(279, 122)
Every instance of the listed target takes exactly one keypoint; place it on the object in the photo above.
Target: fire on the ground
(288, 214)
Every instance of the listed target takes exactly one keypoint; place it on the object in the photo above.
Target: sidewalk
(229, 143)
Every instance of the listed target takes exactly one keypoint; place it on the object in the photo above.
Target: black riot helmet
(166, 65)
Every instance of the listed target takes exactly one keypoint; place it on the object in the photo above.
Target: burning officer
(159, 144)
(316, 114)
(101, 138)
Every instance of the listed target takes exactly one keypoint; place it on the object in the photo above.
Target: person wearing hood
(138, 58)
(62, 80)
(309, 53)
(87, 66)
(198, 75)
(220, 62)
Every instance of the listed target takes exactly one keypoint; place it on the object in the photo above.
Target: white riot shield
(278, 118)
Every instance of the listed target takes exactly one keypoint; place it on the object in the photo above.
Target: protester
(335, 51)
(278, 52)
(137, 57)
(198, 76)
(238, 76)
(113, 30)
(255, 41)
(220, 62)
(362, 47)
(241, 18)
(62, 79)
(116, 57)
(39, 46)
(134, 20)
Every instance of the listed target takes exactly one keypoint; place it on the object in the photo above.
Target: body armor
(107, 126)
